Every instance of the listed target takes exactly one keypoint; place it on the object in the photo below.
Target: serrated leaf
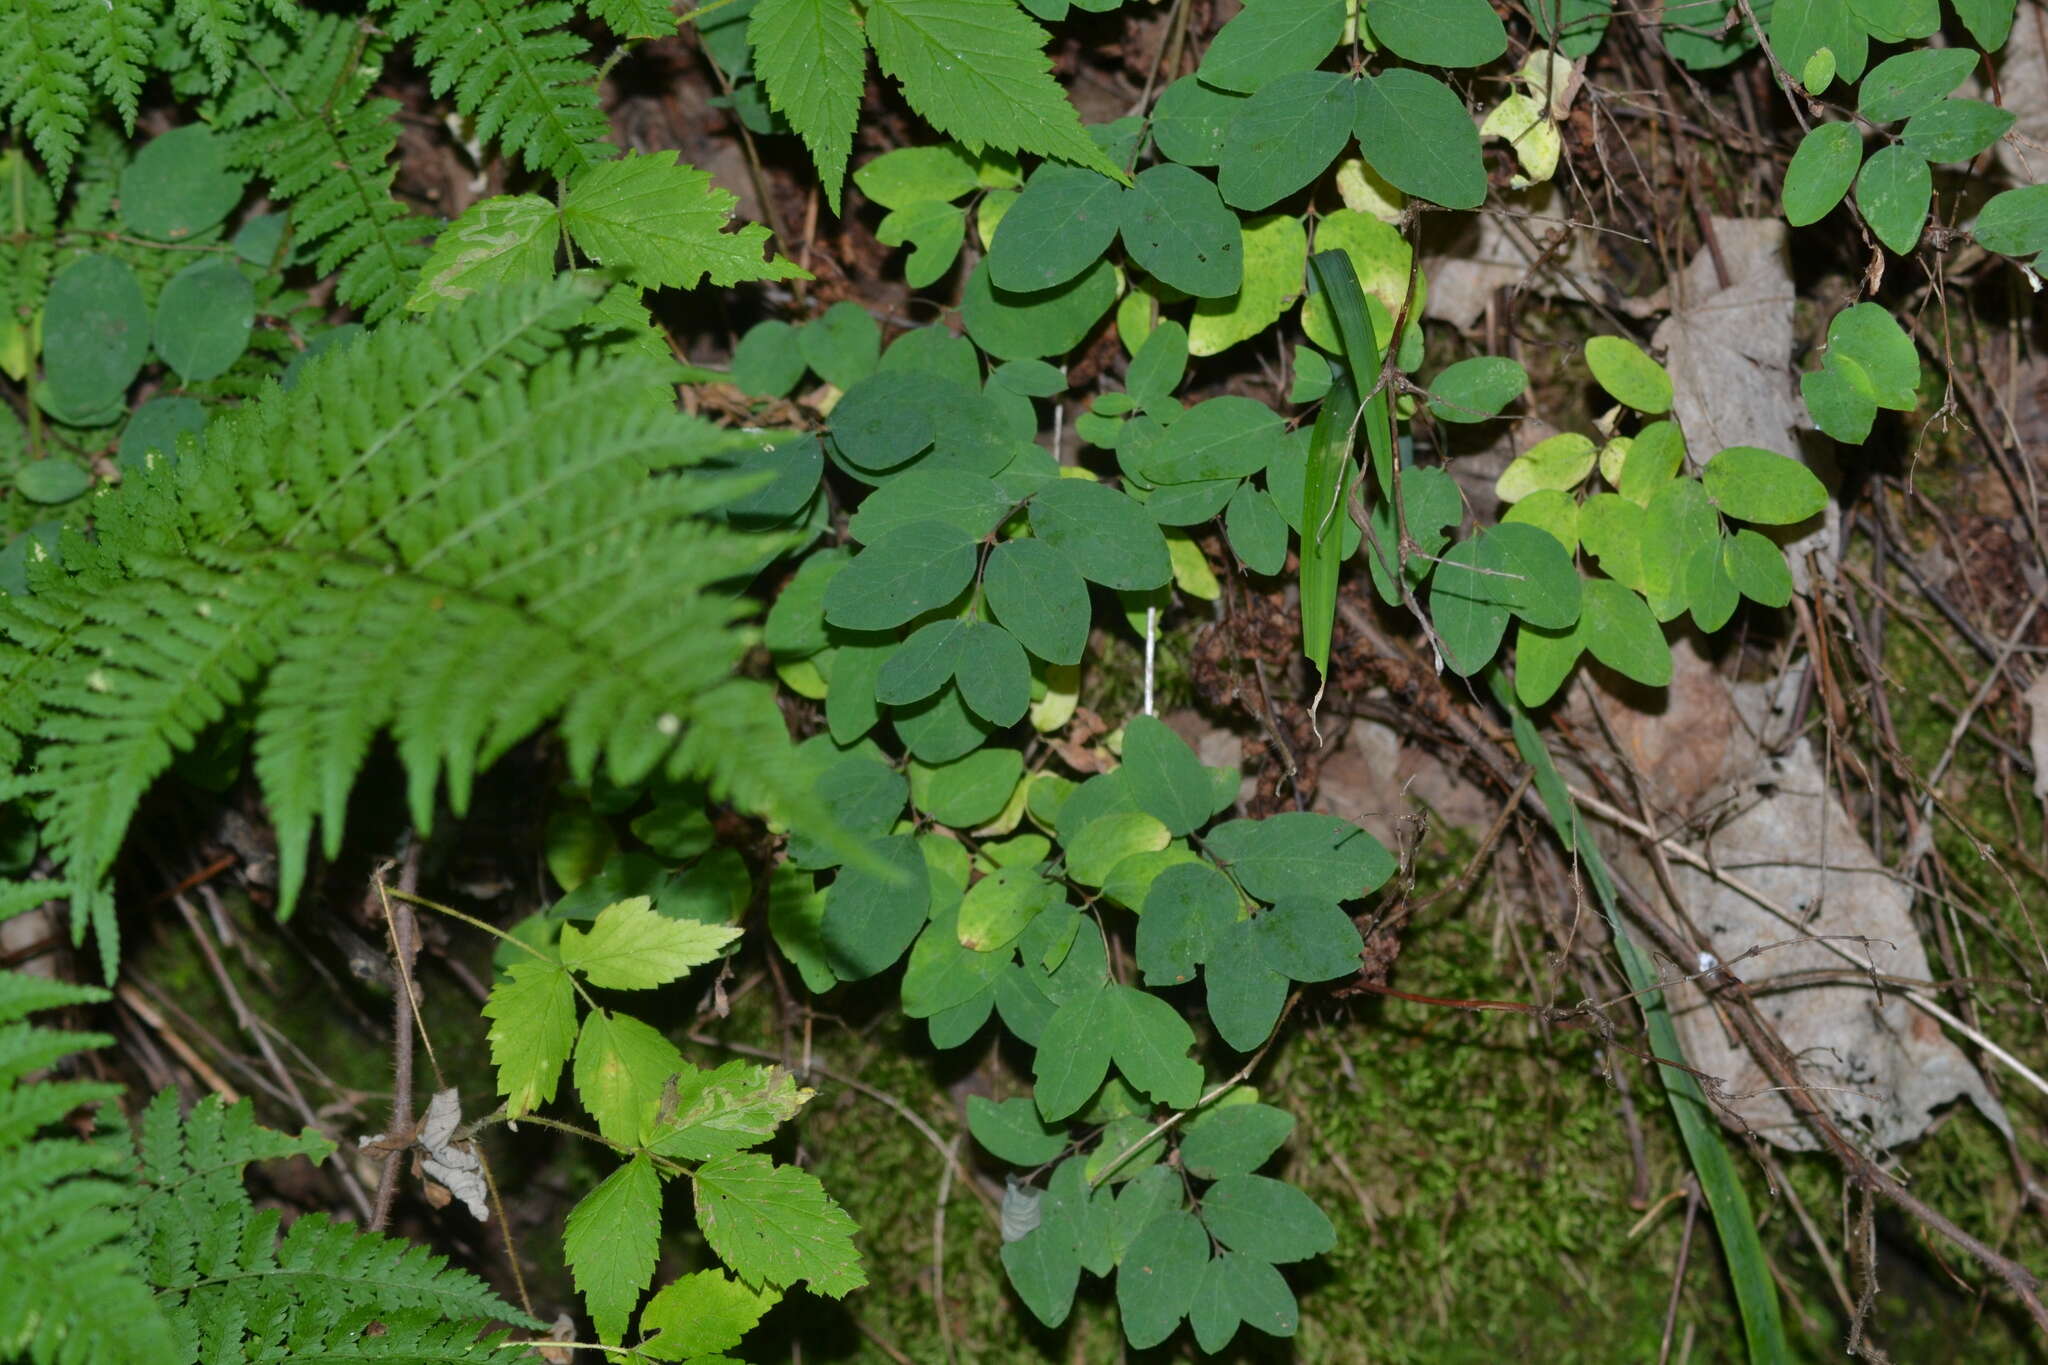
(505, 239)
(725, 1110)
(622, 1067)
(610, 1241)
(701, 1314)
(812, 61)
(1267, 1219)
(631, 947)
(661, 223)
(1417, 133)
(776, 1225)
(977, 71)
(533, 1027)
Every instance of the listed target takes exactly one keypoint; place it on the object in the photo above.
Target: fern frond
(246, 1294)
(29, 211)
(70, 1288)
(457, 529)
(113, 39)
(42, 85)
(308, 126)
(220, 28)
(515, 72)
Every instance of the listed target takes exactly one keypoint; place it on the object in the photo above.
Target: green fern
(456, 530)
(324, 1291)
(307, 125)
(71, 1289)
(514, 71)
(42, 80)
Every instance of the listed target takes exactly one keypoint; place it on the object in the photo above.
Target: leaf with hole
(1176, 228)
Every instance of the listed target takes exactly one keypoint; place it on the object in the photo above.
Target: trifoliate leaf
(812, 60)
(725, 1110)
(507, 239)
(610, 1241)
(533, 1026)
(701, 1314)
(660, 223)
(631, 947)
(776, 1225)
(622, 1067)
(977, 71)
(1267, 1219)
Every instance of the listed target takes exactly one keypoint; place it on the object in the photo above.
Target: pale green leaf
(622, 1068)
(702, 1313)
(775, 1224)
(725, 1110)
(610, 1242)
(659, 223)
(631, 947)
(506, 239)
(533, 1026)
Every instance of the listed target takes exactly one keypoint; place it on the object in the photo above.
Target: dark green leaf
(1044, 1269)
(1189, 119)
(1417, 133)
(1258, 533)
(1300, 853)
(922, 664)
(1619, 631)
(156, 426)
(2013, 223)
(1260, 1294)
(1267, 1219)
(1156, 1282)
(909, 571)
(1245, 995)
(1476, 389)
(1439, 32)
(994, 675)
(1285, 136)
(1104, 534)
(1157, 367)
(1220, 438)
(1821, 172)
(1038, 593)
(1176, 228)
(1047, 322)
(1956, 130)
(1062, 224)
(1309, 940)
(882, 420)
(203, 318)
(1187, 910)
(1466, 608)
(1989, 21)
(1164, 776)
(95, 333)
(768, 361)
(842, 345)
(872, 916)
(179, 185)
(1269, 39)
(1013, 1132)
(1213, 1315)
(949, 495)
(1234, 1139)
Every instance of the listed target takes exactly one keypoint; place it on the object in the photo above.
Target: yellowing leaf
(1380, 255)
(1365, 190)
(1561, 462)
(1275, 254)
(632, 948)
(716, 1113)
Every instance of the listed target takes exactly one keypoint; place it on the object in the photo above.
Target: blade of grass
(1329, 460)
(1756, 1295)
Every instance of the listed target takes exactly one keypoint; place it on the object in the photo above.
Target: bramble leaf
(631, 947)
(812, 61)
(662, 223)
(610, 1241)
(776, 1225)
(533, 1027)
